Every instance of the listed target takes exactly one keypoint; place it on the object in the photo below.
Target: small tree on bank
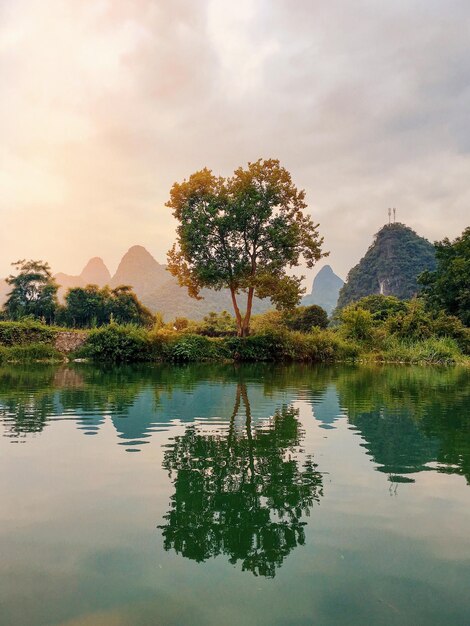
(243, 233)
(34, 291)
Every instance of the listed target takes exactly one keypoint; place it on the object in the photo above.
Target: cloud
(106, 104)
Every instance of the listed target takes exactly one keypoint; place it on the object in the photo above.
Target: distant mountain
(390, 266)
(154, 286)
(95, 272)
(325, 290)
(139, 269)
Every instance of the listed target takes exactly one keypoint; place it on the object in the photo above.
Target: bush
(270, 321)
(304, 318)
(118, 344)
(187, 348)
(268, 346)
(357, 323)
(317, 346)
(29, 353)
(381, 307)
(413, 323)
(450, 326)
(181, 323)
(26, 332)
(217, 325)
(419, 323)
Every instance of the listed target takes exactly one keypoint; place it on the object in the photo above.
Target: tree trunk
(245, 329)
(238, 315)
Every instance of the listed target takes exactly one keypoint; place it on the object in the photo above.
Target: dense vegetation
(33, 296)
(448, 287)
(90, 306)
(391, 266)
(376, 328)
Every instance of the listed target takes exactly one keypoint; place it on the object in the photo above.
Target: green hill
(390, 266)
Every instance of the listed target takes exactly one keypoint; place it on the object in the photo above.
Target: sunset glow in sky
(106, 103)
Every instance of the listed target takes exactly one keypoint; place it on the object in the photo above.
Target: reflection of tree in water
(243, 493)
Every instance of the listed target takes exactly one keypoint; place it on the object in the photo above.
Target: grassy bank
(352, 341)
(129, 344)
(28, 342)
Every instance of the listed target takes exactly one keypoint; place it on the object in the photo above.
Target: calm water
(234, 495)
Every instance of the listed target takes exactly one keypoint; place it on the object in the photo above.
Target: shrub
(356, 323)
(268, 346)
(381, 307)
(217, 325)
(328, 345)
(118, 344)
(419, 323)
(187, 348)
(304, 318)
(450, 326)
(25, 332)
(270, 321)
(181, 323)
(318, 346)
(413, 323)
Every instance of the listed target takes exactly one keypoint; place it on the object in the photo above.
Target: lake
(224, 494)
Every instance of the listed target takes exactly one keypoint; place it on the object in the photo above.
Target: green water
(234, 495)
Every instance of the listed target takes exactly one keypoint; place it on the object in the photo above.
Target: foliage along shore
(375, 329)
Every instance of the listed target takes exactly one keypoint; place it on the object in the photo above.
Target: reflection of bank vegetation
(409, 417)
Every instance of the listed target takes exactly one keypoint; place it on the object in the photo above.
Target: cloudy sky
(105, 103)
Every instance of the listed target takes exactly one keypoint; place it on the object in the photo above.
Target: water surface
(234, 495)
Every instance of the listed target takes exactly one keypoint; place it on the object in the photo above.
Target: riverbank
(23, 342)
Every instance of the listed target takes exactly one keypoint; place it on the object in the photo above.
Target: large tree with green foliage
(34, 291)
(448, 287)
(243, 233)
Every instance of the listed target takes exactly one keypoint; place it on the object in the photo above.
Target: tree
(448, 287)
(126, 308)
(34, 291)
(381, 307)
(304, 318)
(90, 306)
(243, 233)
(86, 307)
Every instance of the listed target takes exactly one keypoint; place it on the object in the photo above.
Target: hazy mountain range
(390, 266)
(154, 286)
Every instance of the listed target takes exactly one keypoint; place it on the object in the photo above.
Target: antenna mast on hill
(394, 215)
(389, 216)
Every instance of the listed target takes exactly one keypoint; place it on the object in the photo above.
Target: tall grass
(434, 350)
(30, 353)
